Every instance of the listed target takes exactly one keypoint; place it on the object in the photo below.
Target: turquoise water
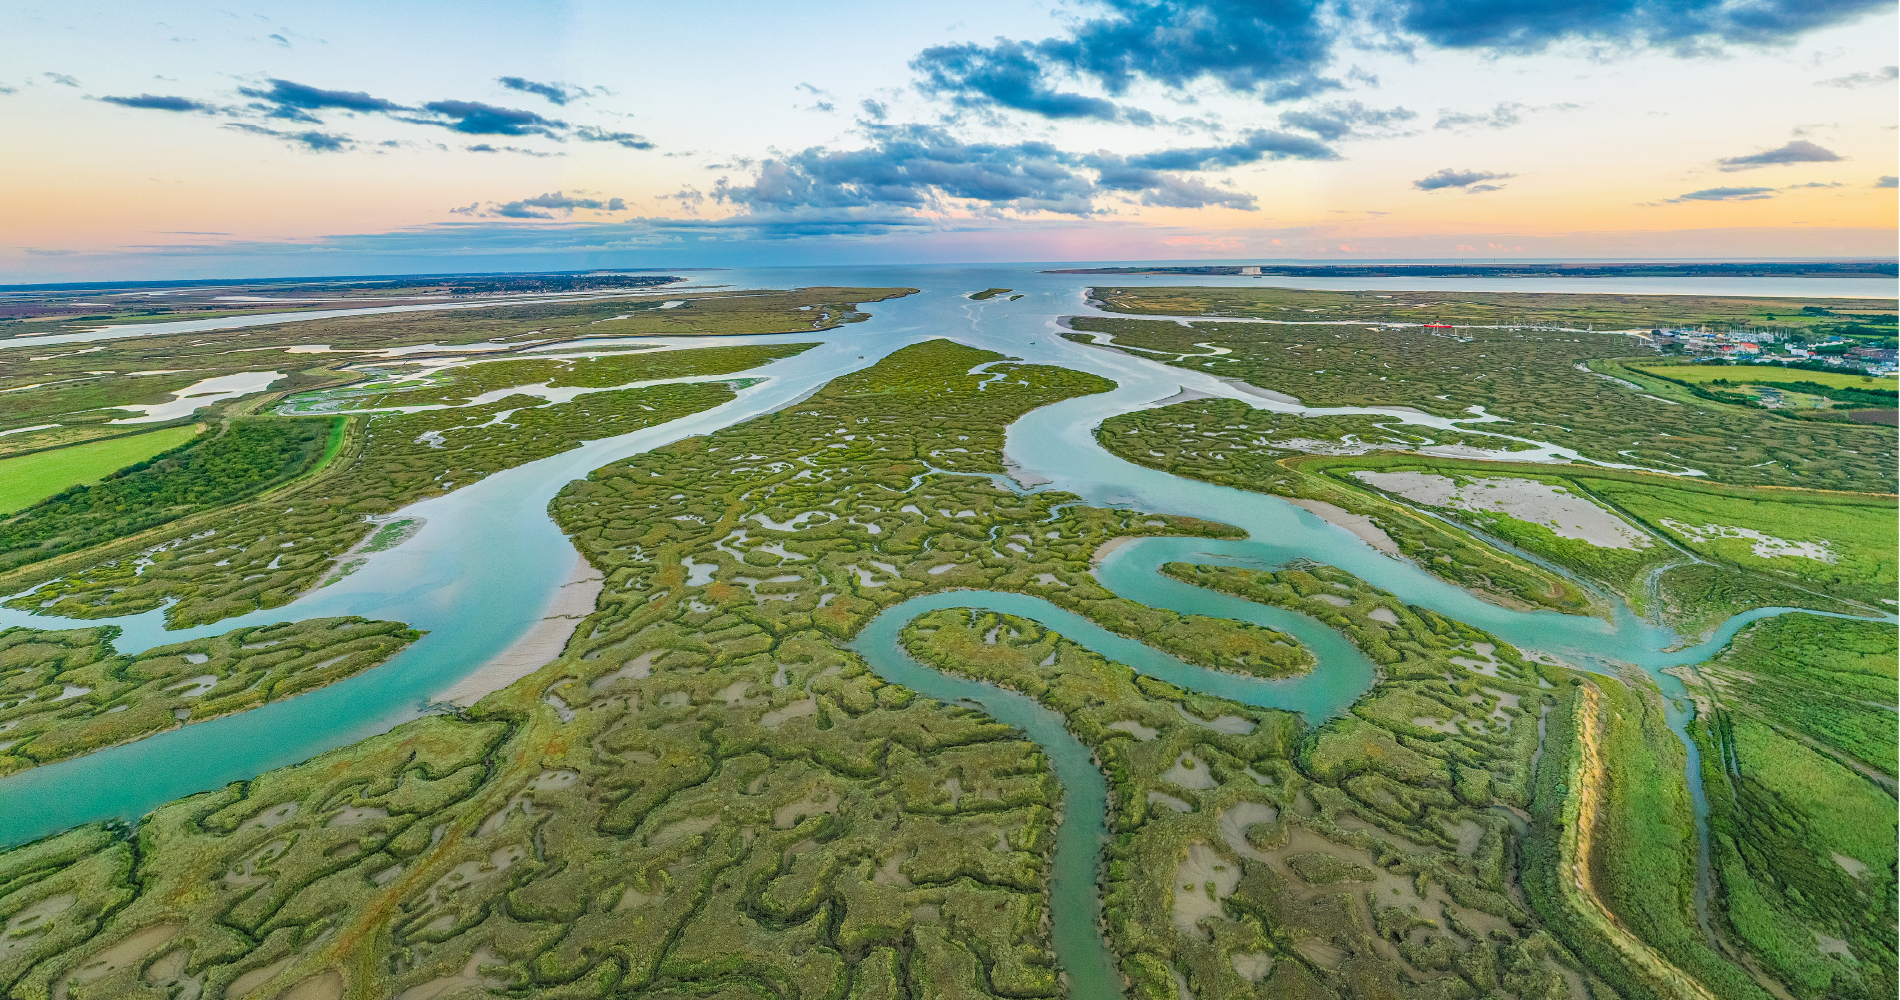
(488, 561)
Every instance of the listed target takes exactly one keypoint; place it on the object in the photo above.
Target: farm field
(30, 478)
(1770, 373)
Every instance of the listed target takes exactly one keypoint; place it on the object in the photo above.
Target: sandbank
(544, 640)
(1095, 561)
(1359, 524)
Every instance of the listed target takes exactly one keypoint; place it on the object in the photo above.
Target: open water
(488, 561)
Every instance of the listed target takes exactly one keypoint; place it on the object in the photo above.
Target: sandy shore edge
(1359, 524)
(1107, 548)
(544, 640)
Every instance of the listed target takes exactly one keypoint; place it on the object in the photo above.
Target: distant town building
(1253, 269)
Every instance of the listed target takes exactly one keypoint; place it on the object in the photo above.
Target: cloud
(556, 93)
(531, 208)
(154, 102)
(289, 100)
(476, 118)
(314, 141)
(482, 147)
(1347, 120)
(1449, 178)
(1798, 151)
(1283, 50)
(1504, 115)
(9, 90)
(1008, 74)
(588, 133)
(280, 40)
(1726, 194)
(294, 101)
(61, 79)
(1685, 26)
(912, 168)
(1885, 74)
(1186, 192)
(1272, 51)
(874, 110)
(1252, 146)
(1887, 182)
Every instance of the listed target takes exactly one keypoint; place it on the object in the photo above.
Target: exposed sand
(541, 643)
(1201, 881)
(1566, 514)
(1359, 524)
(1186, 395)
(1233, 724)
(1254, 390)
(1190, 773)
(1765, 547)
(1136, 729)
(1095, 561)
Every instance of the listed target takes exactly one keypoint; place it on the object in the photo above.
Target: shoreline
(1108, 548)
(1359, 525)
(571, 602)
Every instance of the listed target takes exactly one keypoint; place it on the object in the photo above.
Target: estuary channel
(484, 567)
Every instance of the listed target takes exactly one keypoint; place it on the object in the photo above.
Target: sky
(252, 140)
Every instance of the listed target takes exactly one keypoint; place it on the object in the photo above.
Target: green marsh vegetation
(1251, 856)
(206, 473)
(30, 478)
(1797, 733)
(1549, 309)
(65, 693)
(1829, 680)
(1695, 552)
(870, 492)
(989, 293)
(1803, 844)
(262, 555)
(1610, 862)
(1688, 551)
(704, 792)
(78, 386)
(50, 316)
(458, 385)
(1227, 442)
(713, 820)
(1538, 381)
(1802, 847)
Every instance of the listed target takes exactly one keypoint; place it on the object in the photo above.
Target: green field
(1752, 374)
(35, 477)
